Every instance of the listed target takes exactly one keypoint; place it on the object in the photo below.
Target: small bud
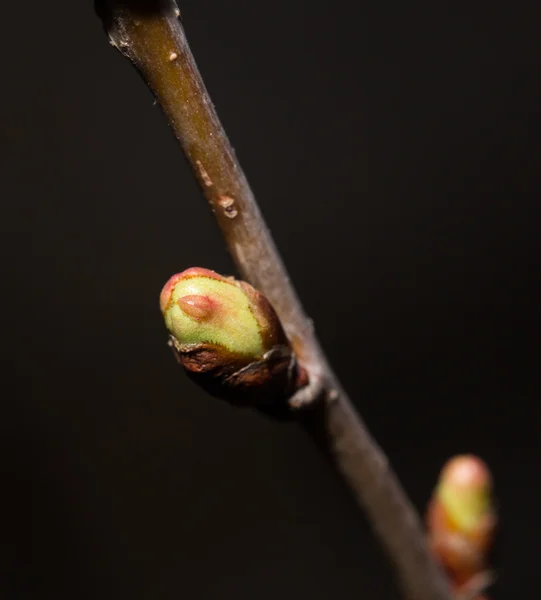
(228, 337)
(465, 492)
(461, 518)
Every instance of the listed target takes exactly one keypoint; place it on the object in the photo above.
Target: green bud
(228, 337)
(461, 519)
(464, 491)
(200, 307)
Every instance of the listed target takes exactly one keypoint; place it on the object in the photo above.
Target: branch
(149, 33)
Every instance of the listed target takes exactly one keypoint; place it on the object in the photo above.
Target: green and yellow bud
(461, 518)
(228, 337)
(200, 306)
(465, 490)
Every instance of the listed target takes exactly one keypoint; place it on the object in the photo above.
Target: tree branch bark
(149, 33)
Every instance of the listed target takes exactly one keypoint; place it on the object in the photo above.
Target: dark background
(394, 149)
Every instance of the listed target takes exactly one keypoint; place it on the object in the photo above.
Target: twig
(149, 33)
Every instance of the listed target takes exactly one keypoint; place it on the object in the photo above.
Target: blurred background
(394, 149)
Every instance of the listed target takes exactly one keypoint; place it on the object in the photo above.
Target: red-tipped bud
(228, 337)
(461, 517)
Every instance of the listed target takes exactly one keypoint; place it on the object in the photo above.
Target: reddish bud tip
(167, 292)
(169, 287)
(466, 472)
(197, 307)
(201, 272)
